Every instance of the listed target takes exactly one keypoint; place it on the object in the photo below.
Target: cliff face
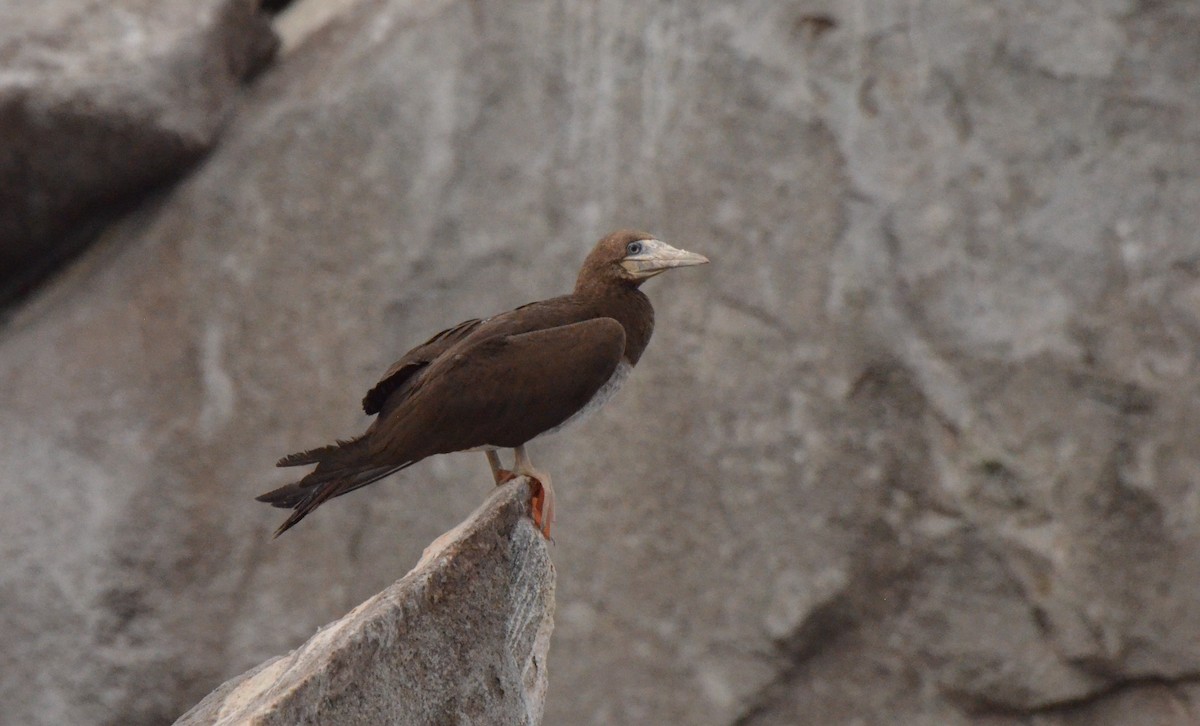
(462, 638)
(99, 102)
(918, 447)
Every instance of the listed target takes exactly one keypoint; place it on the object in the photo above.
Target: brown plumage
(499, 382)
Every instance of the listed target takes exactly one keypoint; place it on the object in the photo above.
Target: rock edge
(462, 638)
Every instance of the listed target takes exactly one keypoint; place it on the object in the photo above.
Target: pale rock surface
(918, 447)
(102, 99)
(463, 638)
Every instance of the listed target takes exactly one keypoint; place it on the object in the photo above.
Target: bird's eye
(633, 248)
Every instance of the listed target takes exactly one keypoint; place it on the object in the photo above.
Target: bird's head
(630, 258)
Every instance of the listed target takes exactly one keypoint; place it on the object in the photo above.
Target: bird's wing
(396, 384)
(502, 391)
(414, 360)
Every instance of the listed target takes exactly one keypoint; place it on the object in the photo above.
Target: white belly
(607, 391)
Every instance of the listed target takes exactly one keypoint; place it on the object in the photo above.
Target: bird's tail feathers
(323, 454)
(319, 487)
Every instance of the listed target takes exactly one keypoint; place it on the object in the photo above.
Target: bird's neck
(628, 306)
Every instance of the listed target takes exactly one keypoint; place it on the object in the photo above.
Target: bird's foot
(541, 502)
(499, 473)
(541, 507)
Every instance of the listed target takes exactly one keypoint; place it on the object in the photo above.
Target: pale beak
(657, 257)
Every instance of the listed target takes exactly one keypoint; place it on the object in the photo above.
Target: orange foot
(541, 507)
(499, 473)
(541, 501)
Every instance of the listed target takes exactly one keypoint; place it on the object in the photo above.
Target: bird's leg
(499, 473)
(542, 501)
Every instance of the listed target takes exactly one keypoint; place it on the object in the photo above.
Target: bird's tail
(333, 453)
(340, 469)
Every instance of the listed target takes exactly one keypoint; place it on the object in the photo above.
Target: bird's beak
(657, 257)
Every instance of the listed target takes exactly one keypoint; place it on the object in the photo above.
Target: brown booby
(500, 382)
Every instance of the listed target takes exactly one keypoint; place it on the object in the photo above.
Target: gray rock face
(918, 447)
(100, 100)
(463, 638)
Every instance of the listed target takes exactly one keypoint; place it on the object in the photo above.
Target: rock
(101, 101)
(918, 447)
(462, 638)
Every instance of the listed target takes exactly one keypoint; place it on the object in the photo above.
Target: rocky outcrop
(918, 447)
(463, 638)
(101, 100)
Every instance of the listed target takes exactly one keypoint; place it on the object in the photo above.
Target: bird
(500, 382)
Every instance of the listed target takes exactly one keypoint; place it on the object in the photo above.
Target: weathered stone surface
(462, 638)
(918, 447)
(99, 100)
